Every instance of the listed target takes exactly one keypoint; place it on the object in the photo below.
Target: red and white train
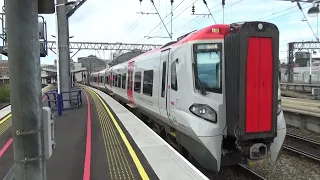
(213, 93)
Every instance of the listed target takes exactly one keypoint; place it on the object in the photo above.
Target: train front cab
(254, 118)
(236, 102)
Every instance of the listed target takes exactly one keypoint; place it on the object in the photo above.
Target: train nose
(258, 151)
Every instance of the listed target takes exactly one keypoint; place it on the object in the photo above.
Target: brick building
(4, 68)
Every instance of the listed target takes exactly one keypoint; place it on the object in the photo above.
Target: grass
(4, 94)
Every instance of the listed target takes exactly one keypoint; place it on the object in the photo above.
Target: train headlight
(279, 107)
(204, 111)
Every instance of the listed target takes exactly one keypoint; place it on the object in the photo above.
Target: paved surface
(67, 159)
(92, 142)
(6, 149)
(301, 104)
(166, 162)
(109, 157)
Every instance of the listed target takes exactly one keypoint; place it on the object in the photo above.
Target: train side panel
(146, 83)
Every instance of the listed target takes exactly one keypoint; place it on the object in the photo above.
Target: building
(92, 62)
(4, 68)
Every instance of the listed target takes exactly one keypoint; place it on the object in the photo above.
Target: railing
(75, 99)
(74, 95)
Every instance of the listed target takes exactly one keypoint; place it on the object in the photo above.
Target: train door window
(174, 82)
(115, 80)
(107, 80)
(124, 81)
(119, 81)
(137, 82)
(164, 71)
(147, 82)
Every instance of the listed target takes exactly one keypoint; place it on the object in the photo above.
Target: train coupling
(258, 151)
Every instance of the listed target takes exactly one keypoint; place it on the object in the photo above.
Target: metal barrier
(75, 99)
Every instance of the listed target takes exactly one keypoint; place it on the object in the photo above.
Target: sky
(118, 21)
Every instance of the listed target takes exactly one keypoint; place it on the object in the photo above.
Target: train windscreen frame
(207, 60)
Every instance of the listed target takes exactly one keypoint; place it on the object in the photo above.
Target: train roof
(99, 72)
(216, 31)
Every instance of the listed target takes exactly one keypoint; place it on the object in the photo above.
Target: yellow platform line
(111, 138)
(5, 118)
(134, 156)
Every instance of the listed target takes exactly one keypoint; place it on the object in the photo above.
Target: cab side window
(174, 82)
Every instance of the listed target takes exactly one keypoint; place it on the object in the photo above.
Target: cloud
(113, 21)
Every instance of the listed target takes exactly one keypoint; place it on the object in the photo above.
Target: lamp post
(314, 12)
(57, 41)
(310, 65)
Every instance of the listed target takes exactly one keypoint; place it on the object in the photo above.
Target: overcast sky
(118, 21)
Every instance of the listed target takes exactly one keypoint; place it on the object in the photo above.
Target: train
(213, 94)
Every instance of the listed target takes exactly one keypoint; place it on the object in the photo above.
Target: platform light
(313, 11)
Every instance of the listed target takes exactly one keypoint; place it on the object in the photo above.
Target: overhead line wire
(175, 17)
(217, 11)
(143, 39)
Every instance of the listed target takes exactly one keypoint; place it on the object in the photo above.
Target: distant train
(213, 94)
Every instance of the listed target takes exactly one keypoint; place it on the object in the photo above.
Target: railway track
(302, 146)
(247, 172)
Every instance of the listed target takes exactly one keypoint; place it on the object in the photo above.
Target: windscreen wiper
(202, 89)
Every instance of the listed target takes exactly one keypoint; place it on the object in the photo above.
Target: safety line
(134, 156)
(87, 162)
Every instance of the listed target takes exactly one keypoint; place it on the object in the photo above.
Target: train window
(124, 81)
(209, 69)
(115, 78)
(147, 82)
(119, 80)
(137, 82)
(174, 82)
(107, 80)
(164, 71)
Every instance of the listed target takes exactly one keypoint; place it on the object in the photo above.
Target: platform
(6, 150)
(103, 140)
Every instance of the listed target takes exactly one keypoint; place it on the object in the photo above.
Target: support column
(25, 88)
(64, 55)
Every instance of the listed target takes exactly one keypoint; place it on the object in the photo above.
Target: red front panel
(252, 94)
(266, 76)
(259, 85)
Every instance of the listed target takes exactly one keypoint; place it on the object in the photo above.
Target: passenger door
(130, 78)
(173, 95)
(163, 83)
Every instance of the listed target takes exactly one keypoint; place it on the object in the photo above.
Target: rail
(302, 146)
(75, 95)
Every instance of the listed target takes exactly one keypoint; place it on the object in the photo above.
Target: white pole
(310, 71)
(57, 52)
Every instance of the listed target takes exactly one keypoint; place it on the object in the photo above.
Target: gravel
(289, 167)
(304, 133)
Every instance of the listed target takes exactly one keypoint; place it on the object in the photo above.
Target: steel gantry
(105, 46)
(75, 6)
(298, 46)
